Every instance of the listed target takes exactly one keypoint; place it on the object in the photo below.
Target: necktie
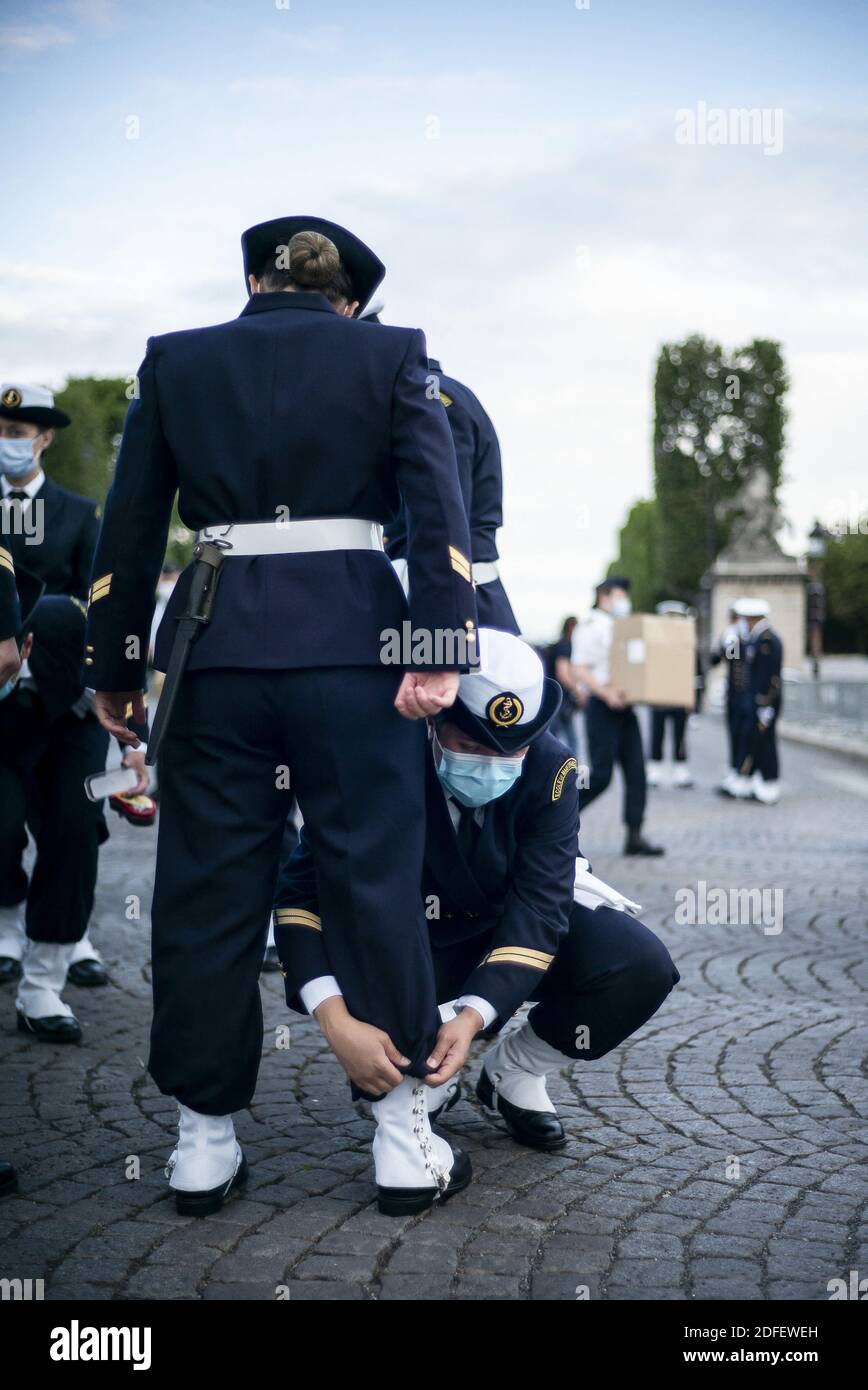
(16, 494)
(468, 832)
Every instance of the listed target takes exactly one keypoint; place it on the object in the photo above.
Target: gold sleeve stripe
(519, 955)
(100, 587)
(297, 917)
(460, 564)
(447, 400)
(6, 560)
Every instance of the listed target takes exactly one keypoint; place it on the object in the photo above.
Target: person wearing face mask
(513, 915)
(611, 725)
(49, 743)
(49, 530)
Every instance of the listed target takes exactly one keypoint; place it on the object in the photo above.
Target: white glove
(593, 892)
(765, 715)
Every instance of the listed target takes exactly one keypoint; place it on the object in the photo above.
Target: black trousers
(357, 769)
(614, 736)
(678, 719)
(42, 770)
(609, 976)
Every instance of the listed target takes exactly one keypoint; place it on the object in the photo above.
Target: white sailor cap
(374, 309)
(751, 608)
(35, 404)
(508, 701)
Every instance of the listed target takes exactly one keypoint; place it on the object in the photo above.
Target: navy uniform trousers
(609, 976)
(615, 736)
(43, 765)
(357, 769)
(659, 719)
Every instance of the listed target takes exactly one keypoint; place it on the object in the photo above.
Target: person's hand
(425, 693)
(452, 1046)
(615, 698)
(367, 1054)
(10, 660)
(135, 758)
(765, 714)
(110, 707)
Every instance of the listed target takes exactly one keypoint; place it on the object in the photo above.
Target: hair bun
(313, 259)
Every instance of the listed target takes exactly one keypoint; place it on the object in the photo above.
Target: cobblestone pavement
(721, 1153)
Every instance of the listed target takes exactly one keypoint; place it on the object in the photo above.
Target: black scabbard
(200, 606)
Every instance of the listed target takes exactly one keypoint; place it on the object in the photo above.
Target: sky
(524, 170)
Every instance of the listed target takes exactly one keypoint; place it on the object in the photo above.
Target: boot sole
(210, 1202)
(60, 1039)
(410, 1201)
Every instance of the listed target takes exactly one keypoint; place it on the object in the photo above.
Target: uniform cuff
(486, 1011)
(317, 991)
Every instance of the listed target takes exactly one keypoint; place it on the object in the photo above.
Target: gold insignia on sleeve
(6, 560)
(297, 917)
(100, 588)
(12, 398)
(460, 563)
(447, 400)
(519, 955)
(563, 773)
(504, 710)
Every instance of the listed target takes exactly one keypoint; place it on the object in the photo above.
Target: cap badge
(504, 710)
(11, 398)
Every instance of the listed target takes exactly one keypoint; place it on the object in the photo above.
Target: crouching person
(513, 916)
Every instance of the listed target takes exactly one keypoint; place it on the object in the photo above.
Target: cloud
(32, 38)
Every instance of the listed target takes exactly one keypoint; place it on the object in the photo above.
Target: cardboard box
(654, 659)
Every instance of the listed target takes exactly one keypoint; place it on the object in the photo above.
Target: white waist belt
(484, 571)
(295, 537)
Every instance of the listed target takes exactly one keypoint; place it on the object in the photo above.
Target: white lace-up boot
(207, 1164)
(414, 1167)
(513, 1082)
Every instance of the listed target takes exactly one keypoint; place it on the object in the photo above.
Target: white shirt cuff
(486, 1011)
(315, 992)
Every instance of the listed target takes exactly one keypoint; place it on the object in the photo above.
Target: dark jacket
(69, 525)
(290, 406)
(514, 894)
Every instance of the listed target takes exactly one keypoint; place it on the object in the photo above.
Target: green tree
(638, 550)
(718, 417)
(845, 574)
(83, 456)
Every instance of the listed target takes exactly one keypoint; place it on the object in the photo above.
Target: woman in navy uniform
(289, 435)
(763, 656)
(513, 916)
(480, 474)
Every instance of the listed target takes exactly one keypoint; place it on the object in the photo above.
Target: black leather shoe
(207, 1203)
(10, 970)
(453, 1099)
(51, 1030)
(87, 974)
(537, 1129)
(409, 1201)
(637, 844)
(271, 962)
(8, 1178)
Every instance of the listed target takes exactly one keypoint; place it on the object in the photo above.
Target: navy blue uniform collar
(287, 299)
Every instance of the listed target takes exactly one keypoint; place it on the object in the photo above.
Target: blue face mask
(16, 457)
(474, 779)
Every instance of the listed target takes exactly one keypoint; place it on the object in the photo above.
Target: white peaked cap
(751, 608)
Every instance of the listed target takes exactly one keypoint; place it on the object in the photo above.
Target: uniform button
(89, 648)
(88, 661)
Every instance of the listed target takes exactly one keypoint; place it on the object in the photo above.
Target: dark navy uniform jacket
(64, 557)
(480, 474)
(514, 893)
(290, 406)
(763, 655)
(10, 615)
